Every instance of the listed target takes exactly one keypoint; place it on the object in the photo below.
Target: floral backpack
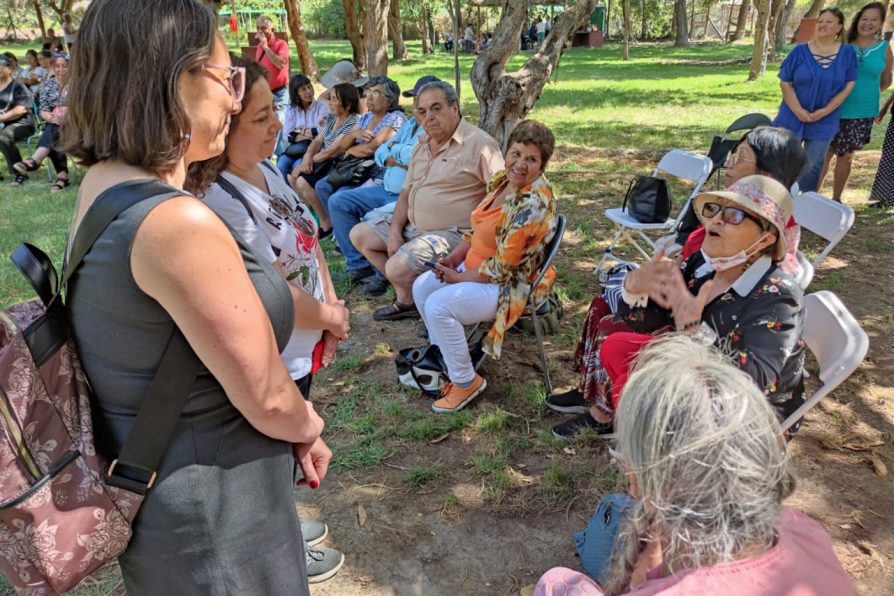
(64, 510)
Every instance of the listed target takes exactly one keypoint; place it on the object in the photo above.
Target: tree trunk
(625, 34)
(776, 7)
(781, 24)
(395, 33)
(504, 98)
(643, 30)
(811, 13)
(427, 42)
(455, 9)
(681, 35)
(377, 36)
(608, 19)
(355, 33)
(40, 23)
(759, 51)
(296, 30)
(740, 22)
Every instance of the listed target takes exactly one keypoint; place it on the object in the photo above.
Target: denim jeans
(346, 208)
(281, 101)
(325, 190)
(286, 164)
(816, 154)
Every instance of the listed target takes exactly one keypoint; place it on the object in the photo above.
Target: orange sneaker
(454, 398)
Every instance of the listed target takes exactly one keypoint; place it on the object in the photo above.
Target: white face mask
(719, 264)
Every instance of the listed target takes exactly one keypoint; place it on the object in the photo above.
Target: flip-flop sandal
(25, 166)
(60, 185)
(395, 312)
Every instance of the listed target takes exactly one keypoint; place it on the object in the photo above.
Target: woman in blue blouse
(860, 109)
(815, 78)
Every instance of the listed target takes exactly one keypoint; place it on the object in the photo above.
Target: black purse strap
(629, 190)
(136, 465)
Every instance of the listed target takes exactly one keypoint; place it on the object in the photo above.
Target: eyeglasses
(734, 159)
(731, 215)
(374, 94)
(236, 80)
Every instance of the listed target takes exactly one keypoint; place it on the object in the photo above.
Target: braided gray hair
(705, 447)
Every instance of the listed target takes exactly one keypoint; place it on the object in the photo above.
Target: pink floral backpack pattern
(64, 510)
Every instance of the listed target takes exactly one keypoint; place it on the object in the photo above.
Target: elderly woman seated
(731, 294)
(488, 276)
(702, 451)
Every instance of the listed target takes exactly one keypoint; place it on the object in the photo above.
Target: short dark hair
(778, 154)
(202, 174)
(533, 132)
(852, 32)
(45, 54)
(31, 52)
(124, 88)
(838, 14)
(295, 83)
(348, 96)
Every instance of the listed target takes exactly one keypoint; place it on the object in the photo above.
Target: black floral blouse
(757, 322)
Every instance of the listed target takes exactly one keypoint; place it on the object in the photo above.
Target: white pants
(445, 308)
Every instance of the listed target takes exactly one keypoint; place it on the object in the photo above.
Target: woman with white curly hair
(703, 453)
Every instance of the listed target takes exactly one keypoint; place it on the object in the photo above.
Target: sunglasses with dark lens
(731, 215)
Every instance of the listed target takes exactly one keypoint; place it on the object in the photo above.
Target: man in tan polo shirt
(447, 178)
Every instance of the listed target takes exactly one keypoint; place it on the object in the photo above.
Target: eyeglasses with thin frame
(235, 82)
(374, 94)
(731, 215)
(734, 159)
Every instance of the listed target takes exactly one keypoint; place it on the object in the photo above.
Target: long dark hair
(852, 32)
(778, 153)
(124, 87)
(348, 96)
(838, 14)
(202, 174)
(295, 83)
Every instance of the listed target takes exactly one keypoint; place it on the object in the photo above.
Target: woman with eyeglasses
(859, 110)
(52, 108)
(731, 293)
(707, 473)
(220, 517)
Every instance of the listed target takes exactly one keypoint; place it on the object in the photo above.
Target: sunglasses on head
(730, 215)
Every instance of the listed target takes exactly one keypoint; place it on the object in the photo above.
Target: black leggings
(303, 385)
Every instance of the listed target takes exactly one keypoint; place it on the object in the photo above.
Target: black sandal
(60, 184)
(25, 166)
(19, 180)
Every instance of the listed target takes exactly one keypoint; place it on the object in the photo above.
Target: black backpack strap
(136, 465)
(231, 190)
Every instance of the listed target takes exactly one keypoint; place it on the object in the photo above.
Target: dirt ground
(454, 536)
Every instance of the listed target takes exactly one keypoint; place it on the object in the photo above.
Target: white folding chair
(835, 337)
(806, 274)
(824, 217)
(679, 164)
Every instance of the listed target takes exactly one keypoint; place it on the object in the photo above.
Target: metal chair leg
(537, 332)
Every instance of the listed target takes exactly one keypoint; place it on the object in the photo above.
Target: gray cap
(343, 71)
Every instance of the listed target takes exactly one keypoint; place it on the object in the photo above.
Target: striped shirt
(330, 132)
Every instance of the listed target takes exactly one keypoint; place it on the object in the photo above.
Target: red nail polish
(314, 484)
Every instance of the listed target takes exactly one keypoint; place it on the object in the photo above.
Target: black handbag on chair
(351, 171)
(297, 150)
(648, 200)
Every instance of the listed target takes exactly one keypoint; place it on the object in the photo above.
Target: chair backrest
(748, 122)
(687, 166)
(552, 249)
(837, 341)
(824, 217)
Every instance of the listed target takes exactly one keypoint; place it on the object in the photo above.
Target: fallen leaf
(361, 514)
(439, 439)
(520, 477)
(569, 450)
(877, 464)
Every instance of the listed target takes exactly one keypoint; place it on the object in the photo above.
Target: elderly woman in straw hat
(731, 294)
(707, 516)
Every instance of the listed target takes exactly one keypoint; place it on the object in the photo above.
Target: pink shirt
(277, 77)
(801, 564)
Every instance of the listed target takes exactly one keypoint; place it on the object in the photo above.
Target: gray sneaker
(322, 563)
(313, 531)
